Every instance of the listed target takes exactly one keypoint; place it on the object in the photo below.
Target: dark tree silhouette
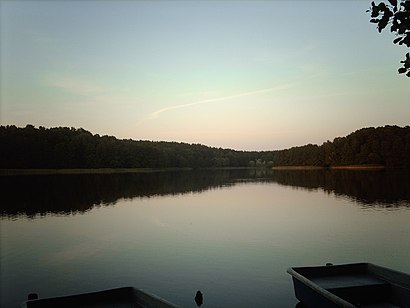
(398, 16)
(63, 147)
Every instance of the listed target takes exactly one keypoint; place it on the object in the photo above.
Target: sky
(245, 75)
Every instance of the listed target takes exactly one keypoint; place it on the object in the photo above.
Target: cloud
(155, 114)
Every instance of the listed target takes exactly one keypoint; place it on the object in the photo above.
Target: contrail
(155, 114)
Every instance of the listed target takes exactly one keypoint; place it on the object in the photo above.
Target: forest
(64, 148)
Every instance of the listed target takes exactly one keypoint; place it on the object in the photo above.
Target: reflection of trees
(387, 187)
(67, 194)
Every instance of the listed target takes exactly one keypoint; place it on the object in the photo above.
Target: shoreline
(85, 171)
(39, 171)
(347, 167)
(8, 172)
(299, 168)
(358, 167)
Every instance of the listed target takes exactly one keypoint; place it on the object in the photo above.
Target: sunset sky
(247, 75)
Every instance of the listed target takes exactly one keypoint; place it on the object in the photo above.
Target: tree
(398, 16)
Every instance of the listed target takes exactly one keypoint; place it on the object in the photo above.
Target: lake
(229, 233)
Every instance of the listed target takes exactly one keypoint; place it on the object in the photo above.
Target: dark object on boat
(351, 285)
(199, 299)
(121, 297)
(32, 296)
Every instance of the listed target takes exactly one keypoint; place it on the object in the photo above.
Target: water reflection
(387, 188)
(70, 194)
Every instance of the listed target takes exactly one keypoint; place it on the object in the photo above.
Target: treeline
(63, 147)
(388, 146)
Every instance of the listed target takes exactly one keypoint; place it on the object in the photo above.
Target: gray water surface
(231, 234)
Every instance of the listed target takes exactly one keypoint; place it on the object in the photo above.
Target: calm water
(231, 234)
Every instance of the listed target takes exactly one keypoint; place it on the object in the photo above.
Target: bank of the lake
(8, 172)
(351, 167)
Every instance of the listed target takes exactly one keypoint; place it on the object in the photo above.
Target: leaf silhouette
(398, 16)
(393, 2)
(397, 40)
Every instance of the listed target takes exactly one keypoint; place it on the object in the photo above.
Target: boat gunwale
(306, 274)
(315, 287)
(130, 292)
(390, 275)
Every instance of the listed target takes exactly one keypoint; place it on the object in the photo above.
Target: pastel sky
(247, 75)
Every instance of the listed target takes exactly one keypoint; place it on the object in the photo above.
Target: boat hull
(351, 285)
(120, 297)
